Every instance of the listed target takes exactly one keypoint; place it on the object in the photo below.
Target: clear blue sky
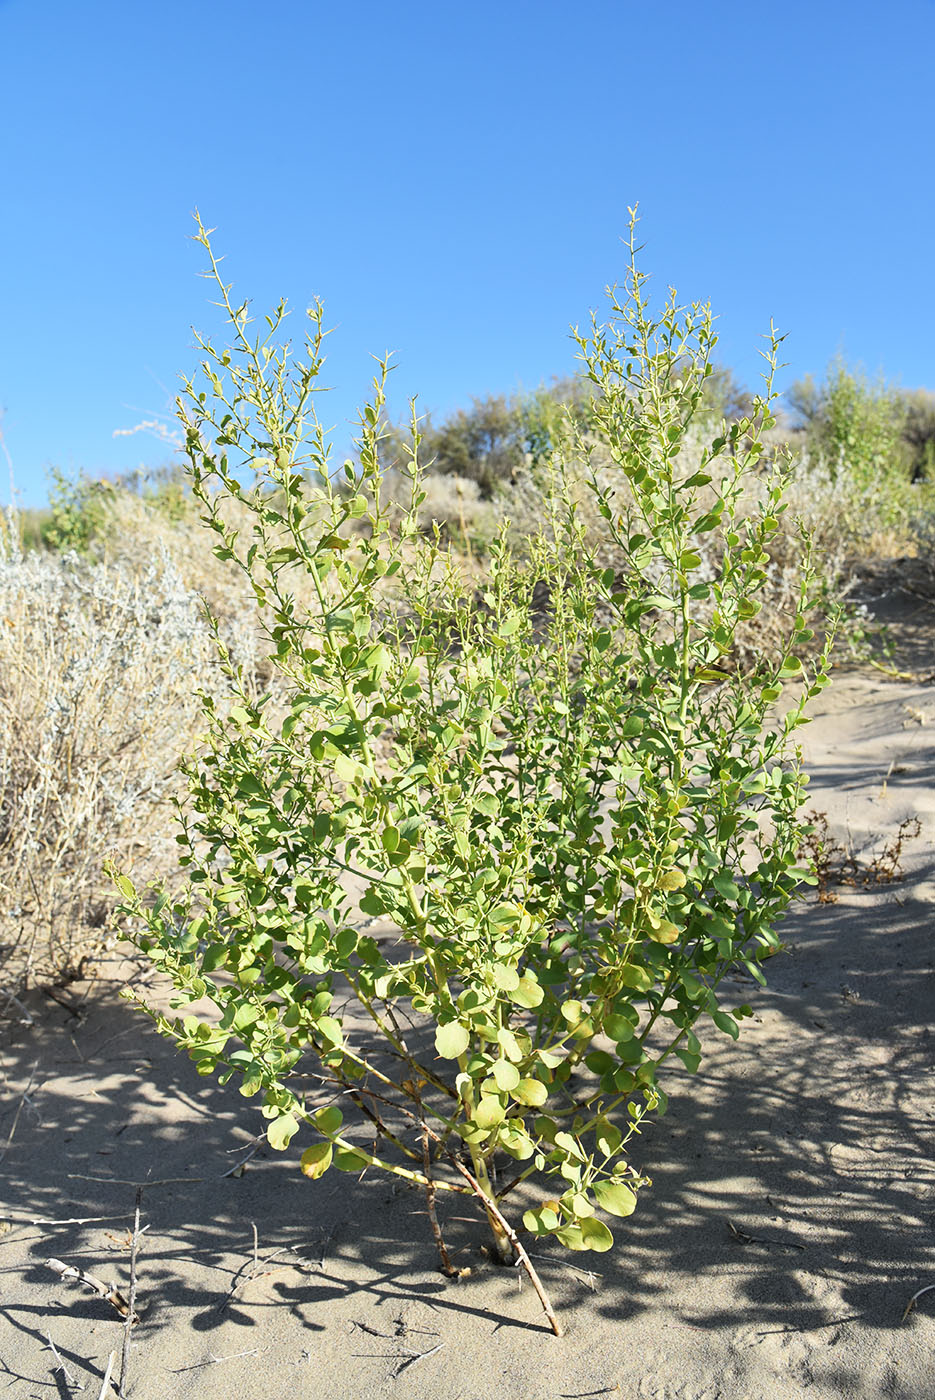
(453, 181)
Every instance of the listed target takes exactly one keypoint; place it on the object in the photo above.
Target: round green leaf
(281, 1131)
(542, 1219)
(531, 1092)
(489, 1113)
(347, 1160)
(330, 1030)
(636, 977)
(328, 1120)
(528, 993)
(519, 1144)
(451, 1040)
(615, 1197)
(619, 1027)
(572, 1237)
(316, 1160)
(506, 978)
(596, 1235)
(506, 1075)
(664, 932)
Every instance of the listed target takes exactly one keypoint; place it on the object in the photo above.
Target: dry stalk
(131, 1301)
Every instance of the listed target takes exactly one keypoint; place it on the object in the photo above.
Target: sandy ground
(789, 1224)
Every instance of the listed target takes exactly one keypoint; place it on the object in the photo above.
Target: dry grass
(99, 666)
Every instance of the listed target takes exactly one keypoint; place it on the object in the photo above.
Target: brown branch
(493, 1209)
(107, 1291)
(447, 1267)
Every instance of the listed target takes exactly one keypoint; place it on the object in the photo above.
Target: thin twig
(25, 1018)
(238, 1169)
(413, 1357)
(912, 1301)
(75, 1219)
(588, 1275)
(24, 1098)
(744, 1238)
(105, 1384)
(70, 1380)
(123, 1181)
(131, 1301)
(216, 1360)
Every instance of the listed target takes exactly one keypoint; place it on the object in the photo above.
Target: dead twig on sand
(26, 1018)
(24, 1098)
(131, 1301)
(216, 1360)
(412, 1358)
(403, 1359)
(108, 1291)
(71, 1381)
(238, 1169)
(69, 1220)
(241, 1279)
(589, 1276)
(743, 1238)
(124, 1181)
(929, 1287)
(106, 1384)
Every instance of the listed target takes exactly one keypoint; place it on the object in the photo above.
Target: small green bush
(570, 819)
(79, 512)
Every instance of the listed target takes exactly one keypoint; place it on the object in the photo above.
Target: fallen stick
(70, 1380)
(25, 1018)
(744, 1238)
(105, 1384)
(74, 1219)
(123, 1181)
(108, 1291)
(24, 1098)
(216, 1360)
(414, 1356)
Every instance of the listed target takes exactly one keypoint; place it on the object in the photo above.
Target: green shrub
(79, 512)
(918, 431)
(852, 421)
(569, 819)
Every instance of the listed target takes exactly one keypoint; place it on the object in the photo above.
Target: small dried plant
(97, 671)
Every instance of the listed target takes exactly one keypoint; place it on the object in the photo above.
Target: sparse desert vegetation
(105, 642)
(458, 786)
